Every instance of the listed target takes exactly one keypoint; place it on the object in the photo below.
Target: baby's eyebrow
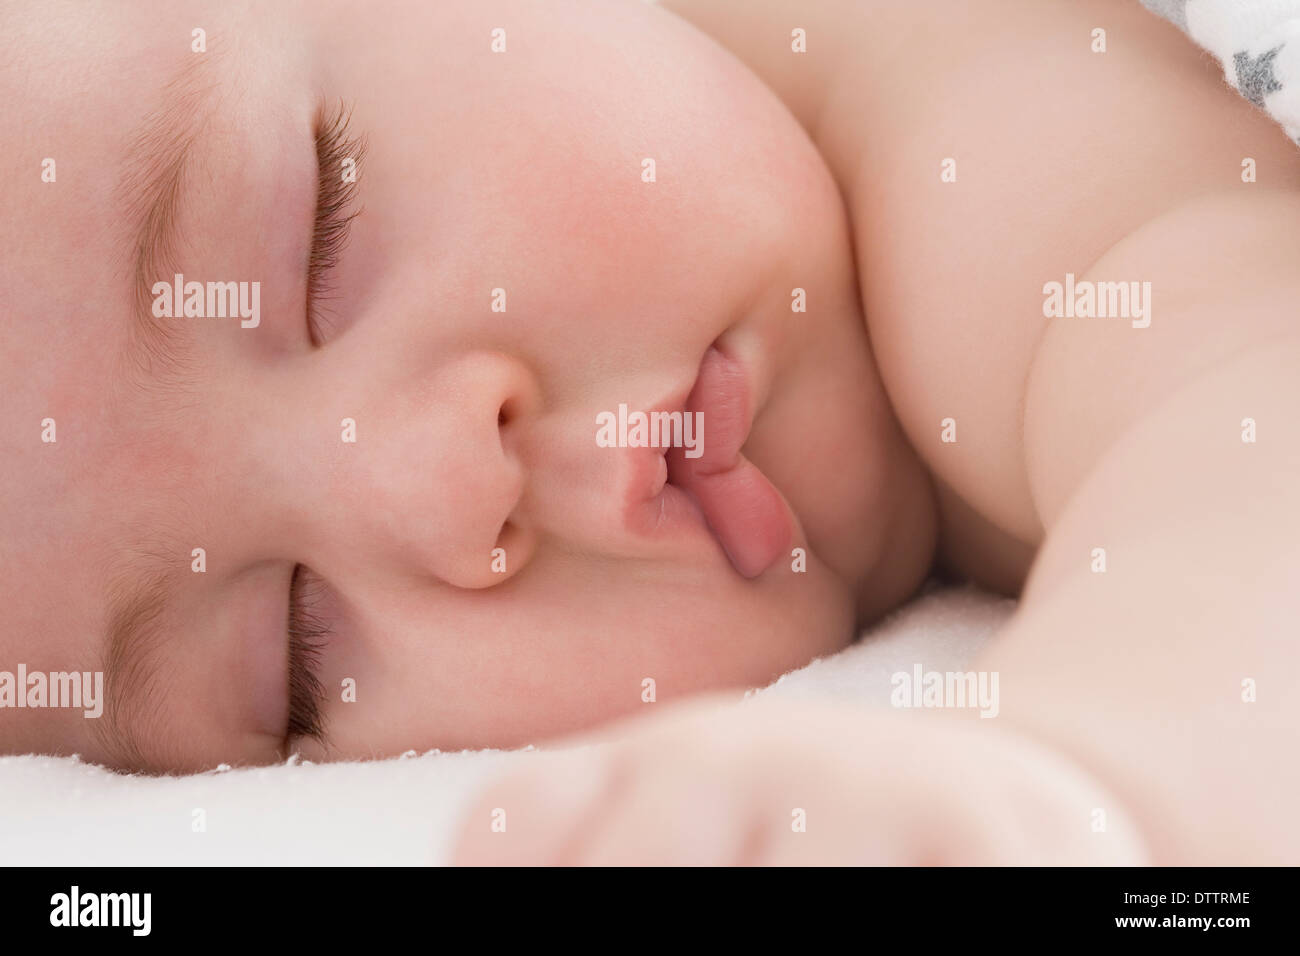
(159, 159)
(137, 627)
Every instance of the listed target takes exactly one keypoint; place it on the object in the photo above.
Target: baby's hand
(796, 783)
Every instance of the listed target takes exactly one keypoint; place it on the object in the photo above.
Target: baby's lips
(743, 509)
(746, 513)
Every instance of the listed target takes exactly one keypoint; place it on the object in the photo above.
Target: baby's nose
(443, 470)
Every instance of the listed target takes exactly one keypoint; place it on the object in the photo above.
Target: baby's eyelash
(335, 199)
(308, 635)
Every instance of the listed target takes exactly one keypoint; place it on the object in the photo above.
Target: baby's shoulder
(1216, 277)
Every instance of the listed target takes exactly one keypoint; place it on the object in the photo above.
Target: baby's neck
(802, 50)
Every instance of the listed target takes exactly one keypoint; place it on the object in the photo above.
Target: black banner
(1166, 906)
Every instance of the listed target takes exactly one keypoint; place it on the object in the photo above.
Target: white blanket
(58, 810)
(1257, 42)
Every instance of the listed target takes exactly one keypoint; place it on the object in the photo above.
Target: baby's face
(473, 567)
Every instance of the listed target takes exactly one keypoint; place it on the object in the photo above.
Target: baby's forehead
(100, 135)
(71, 128)
(72, 86)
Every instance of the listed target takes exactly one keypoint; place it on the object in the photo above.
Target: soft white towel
(1257, 42)
(402, 811)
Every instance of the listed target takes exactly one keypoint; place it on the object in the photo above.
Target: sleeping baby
(441, 375)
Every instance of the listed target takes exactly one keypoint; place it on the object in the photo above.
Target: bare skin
(1123, 690)
(475, 433)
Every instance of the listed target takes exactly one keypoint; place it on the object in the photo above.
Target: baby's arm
(1133, 437)
(1171, 675)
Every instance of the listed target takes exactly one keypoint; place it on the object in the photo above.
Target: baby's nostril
(506, 413)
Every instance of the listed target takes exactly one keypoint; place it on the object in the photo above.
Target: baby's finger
(538, 815)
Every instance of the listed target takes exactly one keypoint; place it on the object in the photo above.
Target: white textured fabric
(1257, 42)
(403, 811)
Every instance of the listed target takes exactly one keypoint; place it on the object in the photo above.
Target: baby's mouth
(742, 508)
